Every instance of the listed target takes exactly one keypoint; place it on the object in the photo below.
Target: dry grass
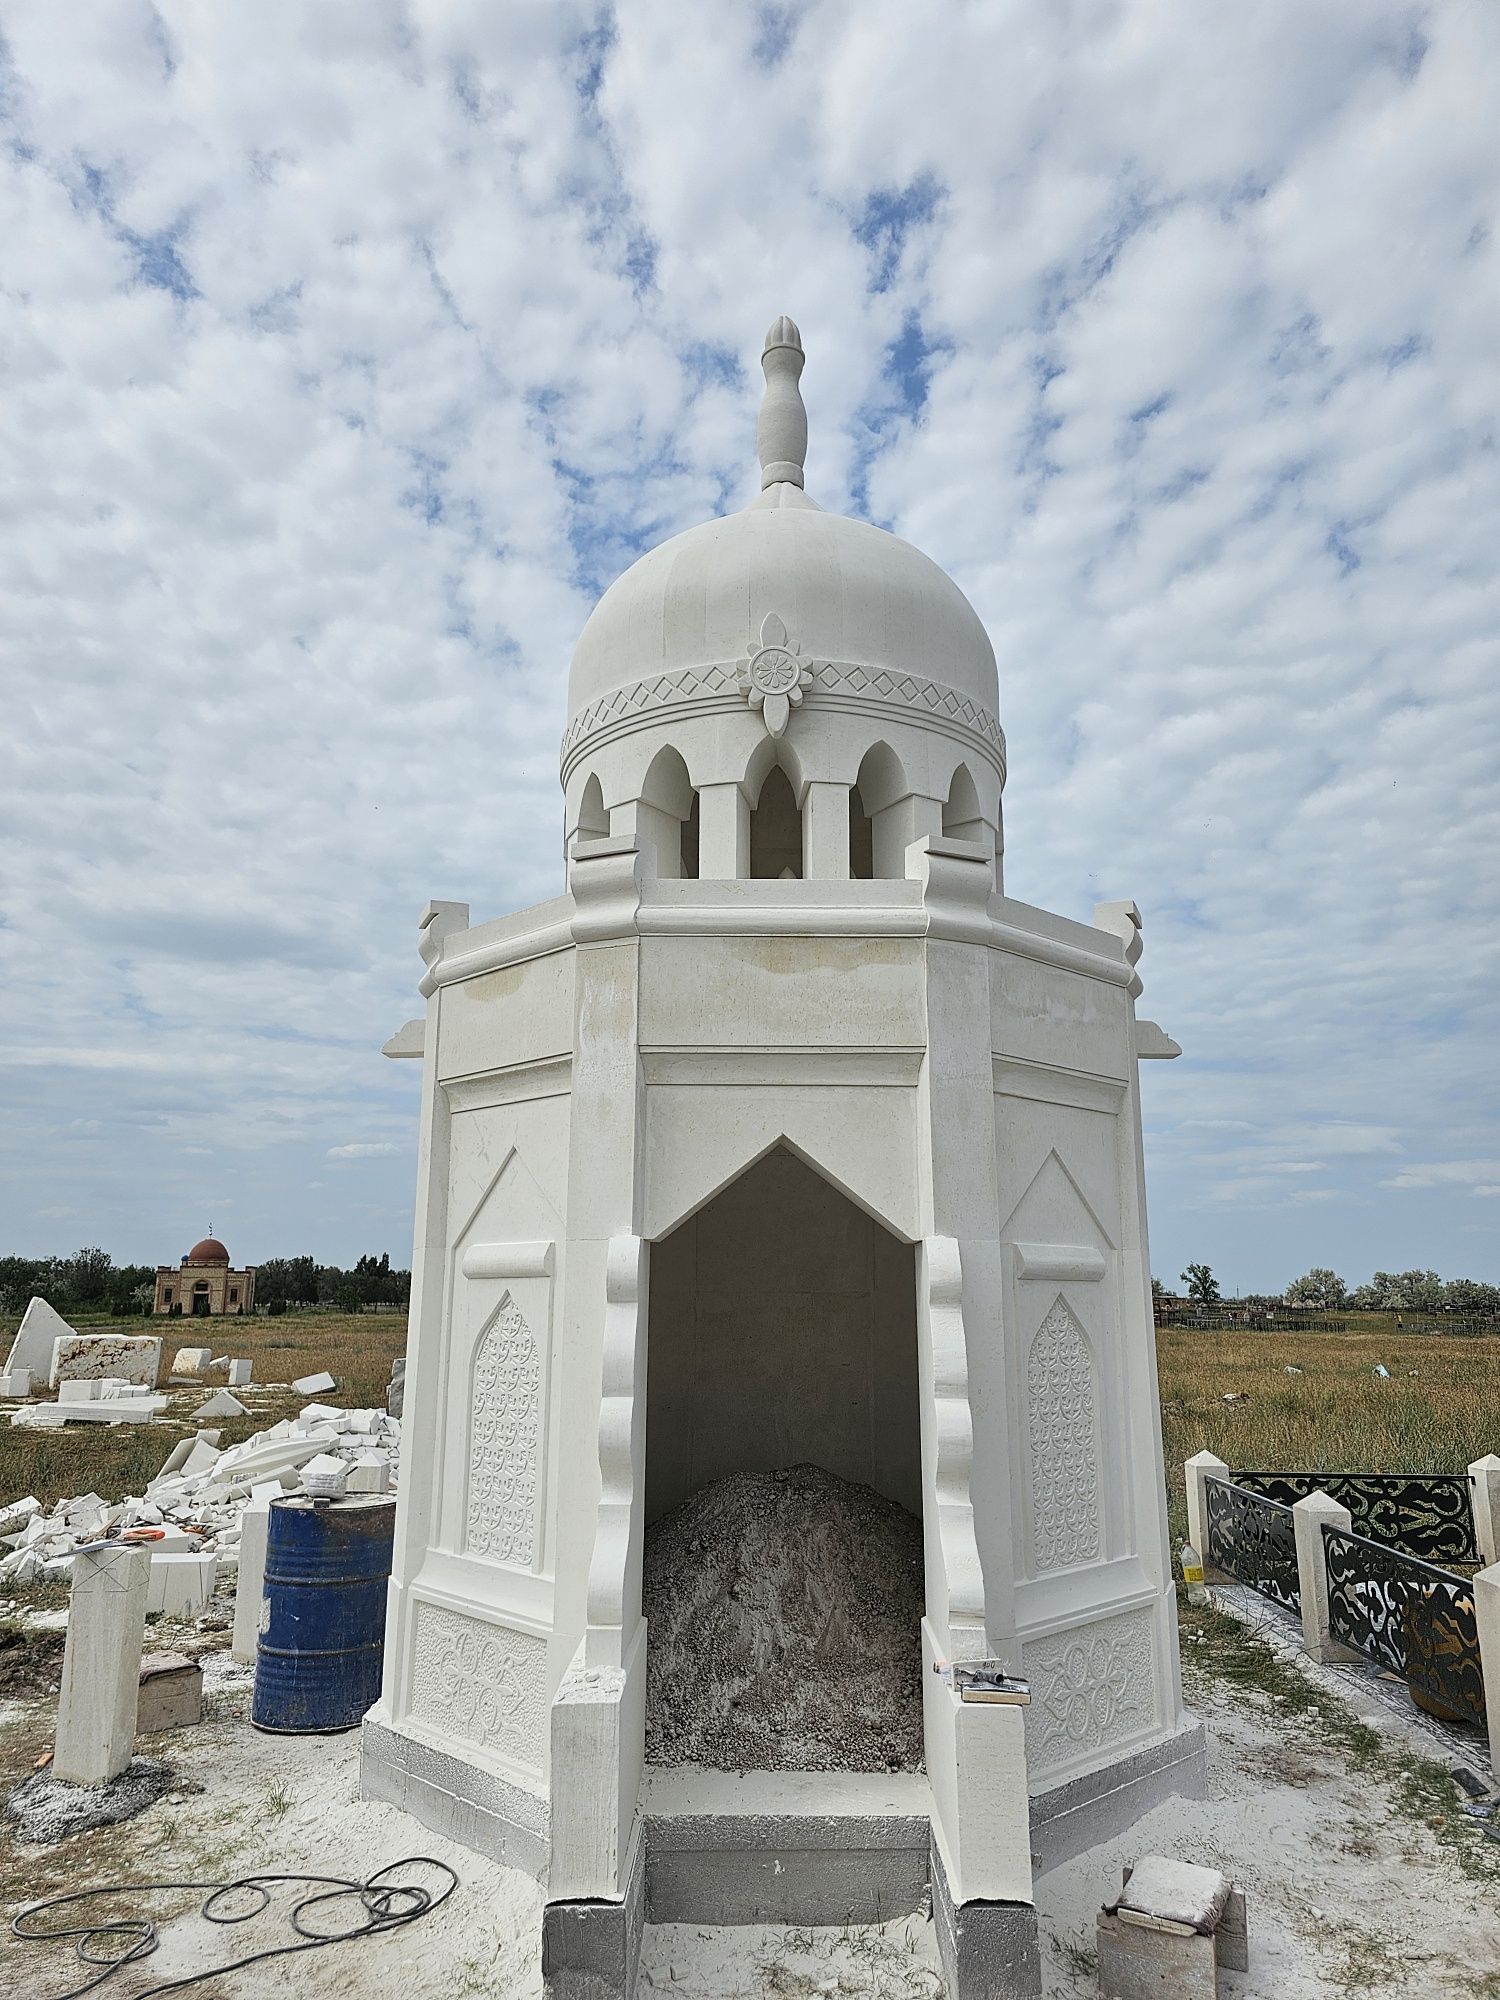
(356, 1349)
(1439, 1410)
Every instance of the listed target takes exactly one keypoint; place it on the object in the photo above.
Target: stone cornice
(837, 685)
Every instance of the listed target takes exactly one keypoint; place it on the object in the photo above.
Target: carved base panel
(479, 1685)
(1094, 1689)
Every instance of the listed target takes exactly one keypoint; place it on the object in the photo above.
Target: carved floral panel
(481, 1683)
(1090, 1687)
(504, 1433)
(1060, 1409)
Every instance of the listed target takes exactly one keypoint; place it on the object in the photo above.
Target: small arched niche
(876, 828)
(666, 818)
(776, 830)
(962, 819)
(593, 820)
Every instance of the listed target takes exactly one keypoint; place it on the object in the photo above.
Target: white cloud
(347, 358)
(358, 1152)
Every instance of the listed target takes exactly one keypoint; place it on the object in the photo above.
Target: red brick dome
(209, 1251)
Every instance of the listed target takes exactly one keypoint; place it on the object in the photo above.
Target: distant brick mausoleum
(203, 1283)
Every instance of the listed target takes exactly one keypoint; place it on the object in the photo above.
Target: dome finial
(781, 434)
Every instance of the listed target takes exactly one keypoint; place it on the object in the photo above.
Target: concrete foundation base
(592, 1951)
(1087, 1811)
(454, 1797)
(784, 1847)
(989, 1951)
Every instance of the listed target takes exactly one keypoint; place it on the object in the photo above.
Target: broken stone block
(1140, 1964)
(325, 1477)
(39, 1331)
(14, 1517)
(395, 1395)
(370, 1473)
(221, 1404)
(79, 1391)
(131, 1357)
(314, 1385)
(181, 1585)
(16, 1382)
(192, 1363)
(171, 1693)
(1171, 1927)
(239, 1373)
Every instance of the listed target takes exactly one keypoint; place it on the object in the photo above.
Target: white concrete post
(1484, 1498)
(1202, 1466)
(101, 1663)
(723, 834)
(1309, 1517)
(1487, 1618)
(250, 1579)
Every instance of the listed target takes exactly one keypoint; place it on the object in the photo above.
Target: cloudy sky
(350, 348)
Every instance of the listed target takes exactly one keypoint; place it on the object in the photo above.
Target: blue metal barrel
(322, 1621)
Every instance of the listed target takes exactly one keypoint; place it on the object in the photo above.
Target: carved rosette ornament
(774, 676)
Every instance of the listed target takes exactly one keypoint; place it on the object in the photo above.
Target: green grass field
(1439, 1410)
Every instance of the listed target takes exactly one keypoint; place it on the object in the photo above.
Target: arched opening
(783, 1557)
(961, 815)
(776, 830)
(593, 820)
(879, 789)
(663, 813)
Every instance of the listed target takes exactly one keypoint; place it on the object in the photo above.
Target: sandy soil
(1348, 1894)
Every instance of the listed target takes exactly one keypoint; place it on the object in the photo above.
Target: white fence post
(1484, 1498)
(1487, 1618)
(1201, 1466)
(1309, 1517)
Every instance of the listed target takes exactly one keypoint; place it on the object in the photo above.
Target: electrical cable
(387, 1906)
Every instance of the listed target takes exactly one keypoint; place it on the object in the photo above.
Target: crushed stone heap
(784, 1618)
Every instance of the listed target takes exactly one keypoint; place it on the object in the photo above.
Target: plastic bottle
(1192, 1574)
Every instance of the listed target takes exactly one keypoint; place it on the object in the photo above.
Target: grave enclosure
(783, 1138)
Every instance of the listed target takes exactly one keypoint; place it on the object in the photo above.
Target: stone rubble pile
(192, 1509)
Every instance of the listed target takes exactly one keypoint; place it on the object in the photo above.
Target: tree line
(91, 1282)
(1387, 1291)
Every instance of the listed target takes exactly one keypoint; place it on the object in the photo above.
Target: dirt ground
(1362, 1875)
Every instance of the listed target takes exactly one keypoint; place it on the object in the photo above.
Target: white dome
(782, 634)
(849, 594)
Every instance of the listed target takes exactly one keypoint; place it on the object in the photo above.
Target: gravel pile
(784, 1615)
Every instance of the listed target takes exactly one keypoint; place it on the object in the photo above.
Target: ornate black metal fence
(1408, 1616)
(1422, 1514)
(1254, 1540)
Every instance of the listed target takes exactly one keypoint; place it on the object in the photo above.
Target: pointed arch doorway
(782, 1414)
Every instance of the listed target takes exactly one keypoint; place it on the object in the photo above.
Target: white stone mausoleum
(783, 1138)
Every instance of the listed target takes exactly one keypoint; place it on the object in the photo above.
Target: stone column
(1487, 1618)
(594, 1914)
(723, 834)
(1309, 1517)
(101, 1663)
(1196, 1471)
(825, 833)
(1484, 1498)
